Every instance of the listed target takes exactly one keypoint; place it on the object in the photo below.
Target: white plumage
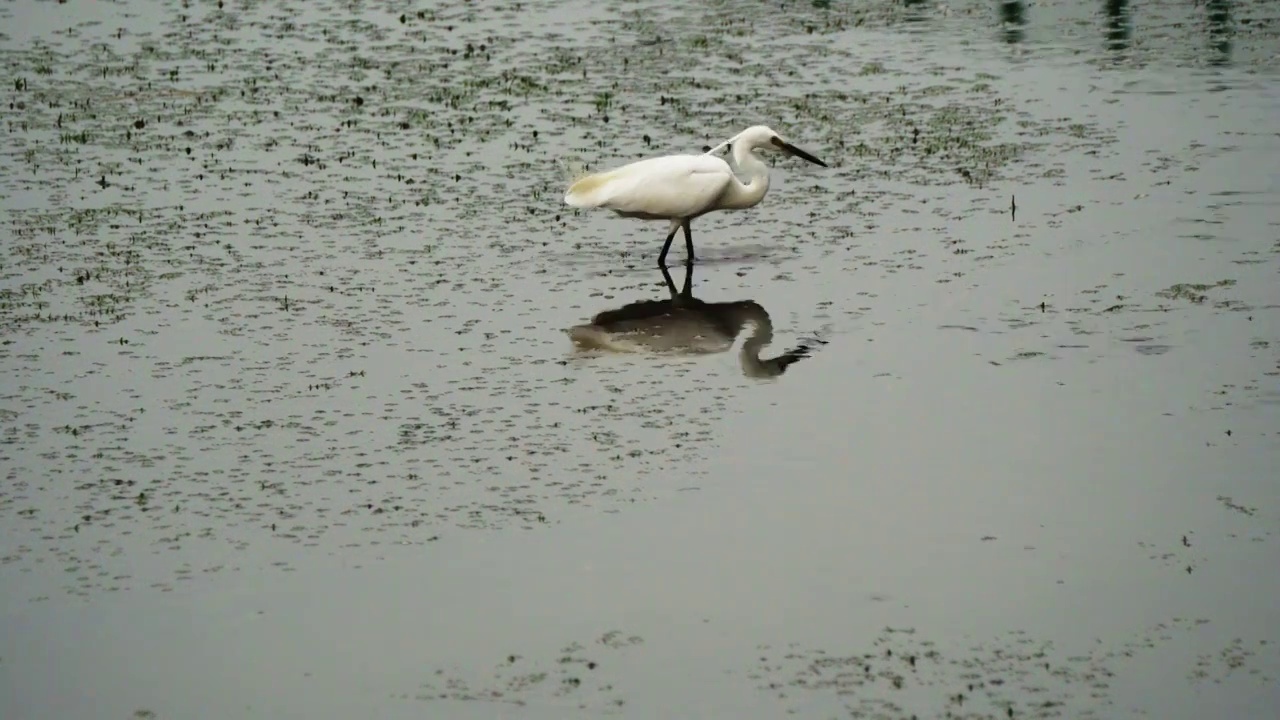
(680, 188)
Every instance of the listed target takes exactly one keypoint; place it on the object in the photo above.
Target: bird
(680, 188)
(686, 325)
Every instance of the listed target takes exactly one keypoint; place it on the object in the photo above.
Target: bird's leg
(671, 286)
(688, 244)
(662, 257)
(681, 297)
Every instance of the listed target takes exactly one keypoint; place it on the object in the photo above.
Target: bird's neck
(753, 319)
(753, 177)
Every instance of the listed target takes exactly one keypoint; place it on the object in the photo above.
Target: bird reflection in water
(1118, 24)
(1220, 31)
(1013, 19)
(685, 325)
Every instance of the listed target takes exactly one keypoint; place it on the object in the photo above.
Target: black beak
(793, 150)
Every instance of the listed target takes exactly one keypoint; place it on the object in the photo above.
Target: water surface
(292, 425)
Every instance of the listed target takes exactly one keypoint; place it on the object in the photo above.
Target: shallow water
(292, 424)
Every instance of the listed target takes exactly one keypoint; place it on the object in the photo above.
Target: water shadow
(916, 11)
(684, 325)
(1218, 15)
(1118, 25)
(1013, 20)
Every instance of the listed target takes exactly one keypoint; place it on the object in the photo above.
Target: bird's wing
(673, 186)
(678, 330)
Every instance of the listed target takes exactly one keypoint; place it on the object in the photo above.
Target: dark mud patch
(1193, 292)
(904, 674)
(577, 675)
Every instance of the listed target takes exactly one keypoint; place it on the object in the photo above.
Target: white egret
(685, 325)
(679, 188)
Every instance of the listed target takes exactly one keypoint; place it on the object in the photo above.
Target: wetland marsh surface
(291, 424)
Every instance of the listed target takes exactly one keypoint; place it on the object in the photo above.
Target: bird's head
(762, 137)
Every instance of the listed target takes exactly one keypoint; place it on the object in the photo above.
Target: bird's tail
(582, 184)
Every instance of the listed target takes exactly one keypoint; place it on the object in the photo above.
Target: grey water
(293, 425)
